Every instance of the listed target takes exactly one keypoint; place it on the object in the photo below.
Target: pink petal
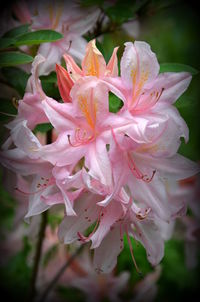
(93, 64)
(176, 167)
(148, 234)
(17, 161)
(87, 213)
(60, 115)
(105, 256)
(90, 99)
(139, 65)
(109, 216)
(61, 153)
(64, 83)
(25, 140)
(52, 52)
(98, 162)
(72, 68)
(174, 85)
(153, 195)
(112, 66)
(25, 110)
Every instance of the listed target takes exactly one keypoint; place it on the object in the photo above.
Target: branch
(58, 275)
(32, 290)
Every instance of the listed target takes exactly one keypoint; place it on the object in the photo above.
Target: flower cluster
(114, 173)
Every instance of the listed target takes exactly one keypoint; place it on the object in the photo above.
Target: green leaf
(7, 110)
(13, 58)
(124, 10)
(51, 78)
(16, 77)
(37, 37)
(17, 31)
(176, 67)
(7, 206)
(43, 127)
(49, 85)
(6, 42)
(115, 104)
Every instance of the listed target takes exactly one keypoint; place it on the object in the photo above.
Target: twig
(58, 275)
(32, 290)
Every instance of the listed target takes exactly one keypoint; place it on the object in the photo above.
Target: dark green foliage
(115, 104)
(17, 78)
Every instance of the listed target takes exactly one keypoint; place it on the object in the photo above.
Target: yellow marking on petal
(91, 118)
(58, 11)
(137, 87)
(92, 62)
(58, 15)
(145, 149)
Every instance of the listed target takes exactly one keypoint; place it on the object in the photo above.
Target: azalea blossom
(66, 17)
(84, 129)
(147, 289)
(93, 64)
(95, 286)
(189, 226)
(115, 170)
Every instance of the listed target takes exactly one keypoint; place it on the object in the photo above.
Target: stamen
(28, 193)
(150, 99)
(86, 239)
(115, 139)
(80, 139)
(121, 237)
(15, 102)
(136, 172)
(146, 178)
(42, 186)
(142, 216)
(131, 250)
(8, 114)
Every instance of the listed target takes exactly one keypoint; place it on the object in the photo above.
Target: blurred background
(172, 30)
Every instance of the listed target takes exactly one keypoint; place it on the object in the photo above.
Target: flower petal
(109, 216)
(60, 115)
(139, 65)
(61, 153)
(64, 83)
(86, 211)
(98, 162)
(17, 161)
(112, 66)
(174, 85)
(149, 235)
(74, 71)
(93, 64)
(105, 256)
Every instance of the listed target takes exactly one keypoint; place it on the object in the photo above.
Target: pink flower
(115, 170)
(93, 64)
(146, 289)
(112, 222)
(84, 129)
(95, 286)
(191, 225)
(49, 185)
(148, 97)
(66, 17)
(149, 178)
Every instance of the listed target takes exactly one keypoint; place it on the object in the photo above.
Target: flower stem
(32, 290)
(58, 275)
